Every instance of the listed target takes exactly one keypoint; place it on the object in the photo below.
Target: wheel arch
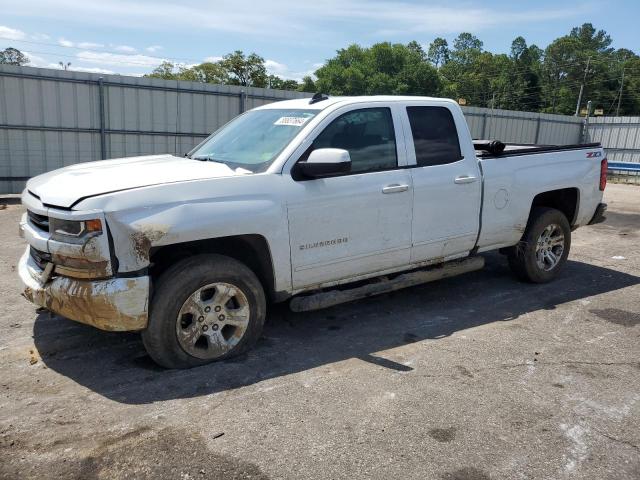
(250, 249)
(566, 200)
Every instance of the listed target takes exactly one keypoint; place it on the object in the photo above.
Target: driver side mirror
(325, 162)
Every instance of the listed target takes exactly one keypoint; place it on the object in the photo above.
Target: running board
(330, 298)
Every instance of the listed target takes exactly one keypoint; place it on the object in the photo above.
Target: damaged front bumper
(115, 304)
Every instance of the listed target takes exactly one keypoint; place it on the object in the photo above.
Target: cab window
(435, 137)
(367, 134)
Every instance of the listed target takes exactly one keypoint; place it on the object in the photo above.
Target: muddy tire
(544, 247)
(204, 308)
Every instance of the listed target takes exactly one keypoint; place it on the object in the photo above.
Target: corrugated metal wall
(523, 127)
(619, 135)
(52, 118)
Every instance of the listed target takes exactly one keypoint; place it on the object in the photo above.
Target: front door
(358, 223)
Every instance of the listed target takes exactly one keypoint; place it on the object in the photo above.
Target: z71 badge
(594, 154)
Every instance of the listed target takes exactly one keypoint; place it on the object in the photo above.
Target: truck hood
(66, 186)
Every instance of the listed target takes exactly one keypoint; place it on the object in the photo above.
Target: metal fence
(523, 127)
(52, 118)
(619, 135)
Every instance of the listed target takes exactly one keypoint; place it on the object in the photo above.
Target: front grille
(38, 221)
(41, 258)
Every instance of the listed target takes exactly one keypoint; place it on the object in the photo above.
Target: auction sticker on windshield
(291, 121)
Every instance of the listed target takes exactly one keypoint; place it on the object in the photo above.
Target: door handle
(395, 188)
(464, 179)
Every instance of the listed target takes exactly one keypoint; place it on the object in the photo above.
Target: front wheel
(205, 308)
(544, 247)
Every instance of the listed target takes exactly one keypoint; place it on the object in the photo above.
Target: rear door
(446, 181)
(355, 224)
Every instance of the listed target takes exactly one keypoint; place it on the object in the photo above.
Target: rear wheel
(205, 308)
(544, 247)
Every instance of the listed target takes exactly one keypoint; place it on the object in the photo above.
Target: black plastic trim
(598, 216)
(539, 149)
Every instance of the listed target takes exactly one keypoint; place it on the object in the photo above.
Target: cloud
(35, 60)
(11, 33)
(125, 49)
(92, 70)
(290, 19)
(153, 48)
(119, 60)
(65, 43)
(40, 37)
(275, 68)
(90, 45)
(283, 71)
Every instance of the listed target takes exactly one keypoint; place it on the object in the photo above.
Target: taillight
(603, 174)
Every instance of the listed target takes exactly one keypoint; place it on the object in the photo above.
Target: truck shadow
(116, 366)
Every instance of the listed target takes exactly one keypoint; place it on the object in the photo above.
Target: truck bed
(510, 185)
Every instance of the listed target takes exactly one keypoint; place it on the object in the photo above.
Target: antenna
(318, 97)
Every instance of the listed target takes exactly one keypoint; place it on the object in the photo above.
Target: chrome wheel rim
(212, 320)
(550, 247)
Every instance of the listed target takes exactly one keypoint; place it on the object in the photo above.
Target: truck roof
(303, 103)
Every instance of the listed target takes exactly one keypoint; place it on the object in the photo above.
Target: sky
(131, 37)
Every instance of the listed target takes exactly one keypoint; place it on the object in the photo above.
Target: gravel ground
(475, 377)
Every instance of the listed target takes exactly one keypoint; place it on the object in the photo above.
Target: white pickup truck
(319, 201)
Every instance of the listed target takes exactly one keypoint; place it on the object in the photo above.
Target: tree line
(527, 78)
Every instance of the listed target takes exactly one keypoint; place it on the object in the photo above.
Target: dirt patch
(443, 435)
(464, 371)
(467, 473)
(140, 453)
(142, 241)
(617, 316)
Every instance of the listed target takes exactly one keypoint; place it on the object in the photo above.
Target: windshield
(253, 141)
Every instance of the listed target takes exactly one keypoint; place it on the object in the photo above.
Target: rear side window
(367, 134)
(435, 137)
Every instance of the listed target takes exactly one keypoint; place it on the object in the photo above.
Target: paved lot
(475, 377)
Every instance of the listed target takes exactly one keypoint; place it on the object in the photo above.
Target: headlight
(75, 228)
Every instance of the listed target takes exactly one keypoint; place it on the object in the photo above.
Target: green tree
(13, 56)
(307, 85)
(469, 72)
(438, 52)
(247, 71)
(521, 74)
(384, 68)
(527, 78)
(630, 97)
(277, 83)
(207, 72)
(166, 71)
(583, 57)
(466, 47)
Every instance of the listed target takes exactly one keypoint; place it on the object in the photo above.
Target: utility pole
(64, 65)
(620, 94)
(584, 79)
(585, 125)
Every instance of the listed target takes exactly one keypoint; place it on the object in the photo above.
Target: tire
(204, 308)
(528, 259)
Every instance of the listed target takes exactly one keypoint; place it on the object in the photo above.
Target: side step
(330, 298)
